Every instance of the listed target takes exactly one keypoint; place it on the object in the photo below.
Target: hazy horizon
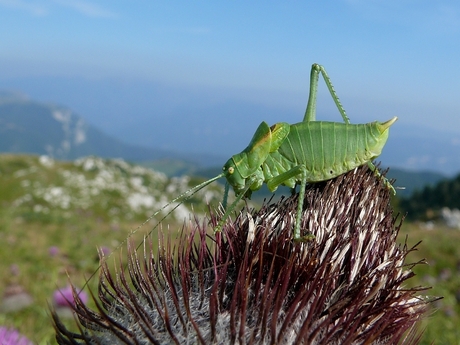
(200, 77)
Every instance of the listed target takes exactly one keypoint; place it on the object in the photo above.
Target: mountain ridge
(32, 127)
(27, 126)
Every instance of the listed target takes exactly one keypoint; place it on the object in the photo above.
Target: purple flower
(53, 251)
(65, 297)
(105, 250)
(10, 336)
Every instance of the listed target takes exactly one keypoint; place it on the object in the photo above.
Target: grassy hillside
(439, 248)
(47, 190)
(54, 215)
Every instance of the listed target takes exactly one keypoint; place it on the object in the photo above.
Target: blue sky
(385, 58)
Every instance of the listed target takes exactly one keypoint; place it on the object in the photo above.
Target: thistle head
(252, 284)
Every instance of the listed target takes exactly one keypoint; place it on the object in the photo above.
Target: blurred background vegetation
(55, 214)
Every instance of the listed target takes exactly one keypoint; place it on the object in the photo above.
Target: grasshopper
(308, 151)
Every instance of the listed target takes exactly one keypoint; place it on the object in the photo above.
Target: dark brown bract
(252, 284)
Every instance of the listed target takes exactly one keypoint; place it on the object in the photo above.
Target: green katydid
(309, 151)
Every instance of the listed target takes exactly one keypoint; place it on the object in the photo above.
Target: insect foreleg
(221, 223)
(310, 113)
(224, 202)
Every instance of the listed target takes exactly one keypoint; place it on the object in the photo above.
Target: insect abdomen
(329, 149)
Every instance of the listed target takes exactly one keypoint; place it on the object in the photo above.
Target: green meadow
(55, 215)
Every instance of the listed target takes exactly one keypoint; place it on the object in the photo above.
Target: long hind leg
(310, 113)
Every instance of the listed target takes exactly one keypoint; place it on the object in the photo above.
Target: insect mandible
(308, 151)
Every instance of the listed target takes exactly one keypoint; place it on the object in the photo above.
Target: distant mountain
(27, 126)
(221, 121)
(408, 182)
(417, 148)
(427, 203)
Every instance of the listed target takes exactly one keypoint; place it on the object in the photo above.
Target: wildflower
(10, 336)
(66, 297)
(105, 250)
(254, 285)
(53, 251)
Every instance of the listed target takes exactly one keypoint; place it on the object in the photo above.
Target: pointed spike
(385, 125)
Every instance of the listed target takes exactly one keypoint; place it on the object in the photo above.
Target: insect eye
(231, 170)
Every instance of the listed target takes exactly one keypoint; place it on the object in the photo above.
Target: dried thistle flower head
(252, 284)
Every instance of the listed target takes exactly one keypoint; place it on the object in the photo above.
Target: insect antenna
(180, 199)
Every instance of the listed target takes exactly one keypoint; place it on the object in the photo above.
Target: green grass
(76, 207)
(27, 233)
(442, 272)
(24, 248)
(25, 244)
